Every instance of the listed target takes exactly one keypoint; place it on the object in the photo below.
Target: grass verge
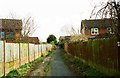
(82, 69)
(47, 68)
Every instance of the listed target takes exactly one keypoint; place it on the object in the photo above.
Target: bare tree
(111, 10)
(28, 27)
(74, 33)
(105, 10)
(69, 30)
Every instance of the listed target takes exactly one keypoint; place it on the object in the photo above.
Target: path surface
(57, 67)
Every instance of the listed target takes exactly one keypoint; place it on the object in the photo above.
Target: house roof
(65, 38)
(34, 40)
(78, 37)
(11, 24)
(96, 23)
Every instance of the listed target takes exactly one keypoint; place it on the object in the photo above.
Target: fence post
(46, 47)
(19, 56)
(4, 54)
(41, 50)
(34, 51)
(28, 54)
(38, 51)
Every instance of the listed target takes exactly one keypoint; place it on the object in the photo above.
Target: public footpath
(53, 65)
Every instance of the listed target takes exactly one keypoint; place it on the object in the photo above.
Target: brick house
(34, 40)
(10, 29)
(64, 38)
(97, 27)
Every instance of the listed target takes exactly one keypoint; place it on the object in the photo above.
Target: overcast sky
(50, 15)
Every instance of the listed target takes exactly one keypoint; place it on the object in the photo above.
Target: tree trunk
(118, 37)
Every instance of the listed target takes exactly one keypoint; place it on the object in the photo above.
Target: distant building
(34, 40)
(64, 38)
(97, 27)
(10, 29)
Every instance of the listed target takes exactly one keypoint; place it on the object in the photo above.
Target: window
(94, 31)
(9, 35)
(109, 30)
(2, 35)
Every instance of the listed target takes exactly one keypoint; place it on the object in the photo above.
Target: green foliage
(11, 74)
(44, 43)
(38, 60)
(61, 45)
(47, 68)
(52, 39)
(23, 69)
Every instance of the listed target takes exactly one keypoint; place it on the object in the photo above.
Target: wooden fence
(99, 53)
(13, 55)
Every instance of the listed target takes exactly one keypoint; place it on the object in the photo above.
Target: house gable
(10, 28)
(11, 24)
(34, 40)
(96, 27)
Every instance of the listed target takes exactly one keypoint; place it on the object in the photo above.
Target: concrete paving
(58, 67)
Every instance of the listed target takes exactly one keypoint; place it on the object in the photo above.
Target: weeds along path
(57, 65)
(39, 69)
(53, 65)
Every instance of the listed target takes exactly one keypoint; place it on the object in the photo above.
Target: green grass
(11, 74)
(19, 71)
(47, 68)
(82, 69)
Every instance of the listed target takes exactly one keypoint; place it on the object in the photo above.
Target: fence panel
(8, 58)
(39, 50)
(16, 55)
(31, 52)
(113, 53)
(43, 49)
(1, 59)
(24, 53)
(95, 52)
(36, 51)
(90, 51)
(49, 47)
(11, 63)
(100, 52)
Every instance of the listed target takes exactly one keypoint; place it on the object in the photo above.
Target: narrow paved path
(55, 65)
(58, 67)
